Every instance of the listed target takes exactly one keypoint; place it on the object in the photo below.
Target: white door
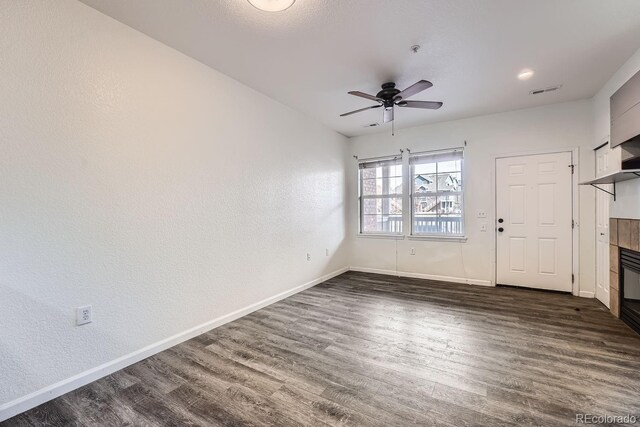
(534, 221)
(603, 155)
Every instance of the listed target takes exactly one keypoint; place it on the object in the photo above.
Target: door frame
(575, 212)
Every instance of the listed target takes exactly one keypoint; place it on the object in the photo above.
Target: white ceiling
(310, 55)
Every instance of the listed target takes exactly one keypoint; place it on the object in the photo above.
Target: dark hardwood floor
(372, 350)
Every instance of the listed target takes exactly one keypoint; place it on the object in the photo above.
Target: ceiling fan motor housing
(387, 94)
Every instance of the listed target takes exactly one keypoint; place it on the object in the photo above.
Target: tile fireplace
(624, 282)
(629, 287)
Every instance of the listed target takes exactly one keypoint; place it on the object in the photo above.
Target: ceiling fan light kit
(390, 97)
(272, 5)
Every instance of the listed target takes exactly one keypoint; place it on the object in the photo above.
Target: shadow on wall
(17, 352)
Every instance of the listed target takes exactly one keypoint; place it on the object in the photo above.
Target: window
(433, 196)
(436, 195)
(381, 196)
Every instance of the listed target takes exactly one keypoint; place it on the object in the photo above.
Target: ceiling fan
(389, 97)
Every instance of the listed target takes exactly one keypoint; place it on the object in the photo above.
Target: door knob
(501, 229)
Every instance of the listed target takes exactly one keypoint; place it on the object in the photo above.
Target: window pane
(426, 205)
(393, 171)
(450, 205)
(438, 215)
(391, 205)
(425, 217)
(395, 185)
(382, 180)
(424, 183)
(381, 186)
(388, 171)
(423, 168)
(450, 166)
(382, 215)
(449, 181)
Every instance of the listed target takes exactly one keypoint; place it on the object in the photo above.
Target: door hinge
(572, 168)
(573, 224)
(573, 278)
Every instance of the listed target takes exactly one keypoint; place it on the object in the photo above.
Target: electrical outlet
(308, 257)
(413, 251)
(83, 315)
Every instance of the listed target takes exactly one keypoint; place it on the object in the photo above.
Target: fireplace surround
(629, 284)
(624, 275)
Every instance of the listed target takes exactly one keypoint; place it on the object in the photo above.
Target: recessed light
(525, 74)
(272, 5)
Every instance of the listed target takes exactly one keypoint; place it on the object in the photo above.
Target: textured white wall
(627, 204)
(140, 181)
(166, 194)
(554, 127)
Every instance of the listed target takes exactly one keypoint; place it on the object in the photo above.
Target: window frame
(393, 161)
(412, 195)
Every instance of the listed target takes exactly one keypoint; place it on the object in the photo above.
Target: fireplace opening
(630, 288)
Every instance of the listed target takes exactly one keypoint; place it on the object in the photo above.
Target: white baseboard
(586, 294)
(478, 282)
(43, 395)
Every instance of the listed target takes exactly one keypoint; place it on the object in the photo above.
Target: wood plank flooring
(371, 350)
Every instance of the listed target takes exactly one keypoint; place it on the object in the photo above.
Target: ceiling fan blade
(430, 105)
(364, 95)
(388, 115)
(362, 109)
(413, 89)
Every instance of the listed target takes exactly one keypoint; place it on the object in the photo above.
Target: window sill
(381, 236)
(460, 239)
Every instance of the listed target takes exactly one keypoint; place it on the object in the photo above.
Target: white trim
(587, 294)
(381, 236)
(478, 282)
(436, 238)
(575, 189)
(534, 152)
(45, 394)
